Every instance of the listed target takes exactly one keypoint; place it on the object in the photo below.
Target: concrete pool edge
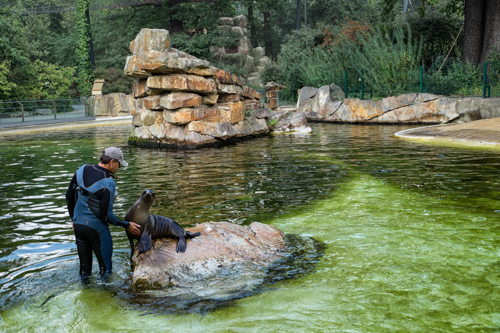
(125, 120)
(486, 134)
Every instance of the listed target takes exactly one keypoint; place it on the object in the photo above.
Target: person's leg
(104, 251)
(83, 236)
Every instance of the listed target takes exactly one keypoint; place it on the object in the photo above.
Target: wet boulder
(223, 252)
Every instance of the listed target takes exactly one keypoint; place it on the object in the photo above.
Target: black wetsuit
(90, 197)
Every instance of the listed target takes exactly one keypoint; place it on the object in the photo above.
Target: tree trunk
(175, 25)
(267, 27)
(491, 29)
(297, 17)
(251, 21)
(475, 12)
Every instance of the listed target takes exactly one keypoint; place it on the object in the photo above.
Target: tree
(481, 24)
(481, 29)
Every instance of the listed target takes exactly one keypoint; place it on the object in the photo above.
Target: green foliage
(386, 58)
(272, 122)
(390, 8)
(49, 81)
(494, 62)
(337, 12)
(325, 66)
(454, 79)
(198, 43)
(295, 53)
(204, 15)
(14, 46)
(85, 74)
(272, 72)
(289, 96)
(6, 87)
(115, 80)
(438, 32)
(382, 58)
(112, 41)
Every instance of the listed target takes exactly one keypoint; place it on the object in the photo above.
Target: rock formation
(327, 104)
(182, 101)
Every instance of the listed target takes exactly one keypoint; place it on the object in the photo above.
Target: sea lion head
(148, 196)
(139, 212)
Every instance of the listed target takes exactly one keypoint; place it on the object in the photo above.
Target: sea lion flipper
(131, 241)
(190, 234)
(145, 241)
(181, 245)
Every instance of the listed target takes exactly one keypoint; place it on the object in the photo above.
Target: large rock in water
(223, 248)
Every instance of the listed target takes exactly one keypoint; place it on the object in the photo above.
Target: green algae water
(411, 232)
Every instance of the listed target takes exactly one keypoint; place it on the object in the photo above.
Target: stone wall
(182, 101)
(327, 104)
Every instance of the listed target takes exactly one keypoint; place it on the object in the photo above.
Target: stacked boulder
(242, 56)
(181, 100)
(110, 105)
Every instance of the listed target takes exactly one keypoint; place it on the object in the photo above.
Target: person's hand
(133, 228)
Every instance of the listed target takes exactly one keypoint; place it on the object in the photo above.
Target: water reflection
(411, 230)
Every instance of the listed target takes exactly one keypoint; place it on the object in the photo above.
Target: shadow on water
(411, 233)
(302, 256)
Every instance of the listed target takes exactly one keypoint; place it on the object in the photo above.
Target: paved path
(485, 132)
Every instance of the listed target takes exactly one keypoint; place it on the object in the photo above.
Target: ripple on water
(411, 233)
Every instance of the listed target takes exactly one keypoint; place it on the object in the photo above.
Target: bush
(295, 53)
(383, 58)
(388, 59)
(454, 79)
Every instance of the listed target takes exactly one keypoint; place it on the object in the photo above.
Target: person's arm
(107, 214)
(71, 197)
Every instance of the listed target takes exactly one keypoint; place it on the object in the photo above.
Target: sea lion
(154, 226)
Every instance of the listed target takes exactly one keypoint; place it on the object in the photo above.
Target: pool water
(411, 232)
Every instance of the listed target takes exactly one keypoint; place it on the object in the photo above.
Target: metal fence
(35, 112)
(458, 79)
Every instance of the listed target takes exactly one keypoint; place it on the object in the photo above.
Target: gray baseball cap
(115, 153)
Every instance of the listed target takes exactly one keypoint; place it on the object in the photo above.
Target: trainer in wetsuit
(90, 199)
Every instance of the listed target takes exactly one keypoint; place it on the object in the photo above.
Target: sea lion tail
(189, 234)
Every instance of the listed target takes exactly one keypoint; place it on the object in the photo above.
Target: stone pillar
(272, 92)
